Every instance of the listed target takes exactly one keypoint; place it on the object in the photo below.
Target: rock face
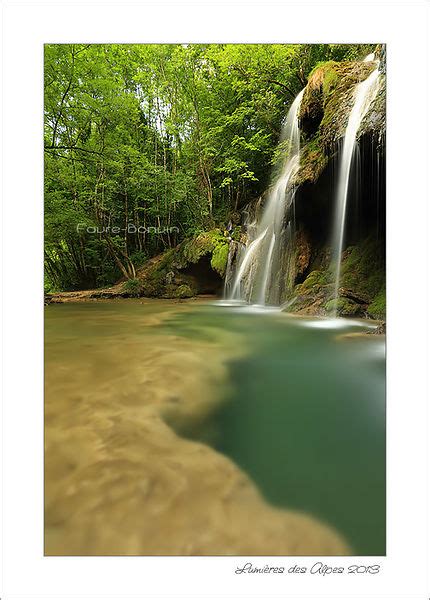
(196, 266)
(325, 110)
(324, 113)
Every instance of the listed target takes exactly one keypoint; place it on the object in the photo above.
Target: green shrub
(184, 291)
(132, 287)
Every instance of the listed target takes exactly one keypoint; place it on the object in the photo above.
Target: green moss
(377, 308)
(338, 101)
(132, 287)
(313, 161)
(183, 291)
(344, 307)
(315, 278)
(209, 242)
(195, 248)
(331, 78)
(363, 269)
(220, 257)
(236, 234)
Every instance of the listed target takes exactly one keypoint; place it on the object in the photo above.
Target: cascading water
(364, 95)
(258, 269)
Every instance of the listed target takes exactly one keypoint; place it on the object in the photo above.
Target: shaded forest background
(146, 145)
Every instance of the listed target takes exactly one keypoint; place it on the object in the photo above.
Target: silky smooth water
(364, 95)
(305, 417)
(300, 409)
(258, 271)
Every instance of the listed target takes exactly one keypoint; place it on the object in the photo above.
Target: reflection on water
(299, 408)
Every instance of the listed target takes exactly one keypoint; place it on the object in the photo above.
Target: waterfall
(258, 270)
(364, 94)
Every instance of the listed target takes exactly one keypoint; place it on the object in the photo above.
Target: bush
(184, 291)
(132, 287)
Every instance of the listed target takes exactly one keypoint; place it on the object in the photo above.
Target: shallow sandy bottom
(118, 480)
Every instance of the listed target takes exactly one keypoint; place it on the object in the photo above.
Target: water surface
(305, 417)
(300, 402)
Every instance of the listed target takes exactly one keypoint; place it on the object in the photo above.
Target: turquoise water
(305, 415)
(302, 411)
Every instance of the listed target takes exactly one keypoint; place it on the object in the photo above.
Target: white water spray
(364, 95)
(259, 266)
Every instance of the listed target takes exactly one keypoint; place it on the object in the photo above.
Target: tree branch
(53, 147)
(60, 112)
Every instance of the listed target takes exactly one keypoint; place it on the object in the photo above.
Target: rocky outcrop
(362, 293)
(195, 267)
(307, 282)
(324, 112)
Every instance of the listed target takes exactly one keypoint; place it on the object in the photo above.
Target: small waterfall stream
(364, 95)
(259, 265)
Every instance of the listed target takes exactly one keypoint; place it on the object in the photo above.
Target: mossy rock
(315, 278)
(362, 289)
(160, 276)
(377, 308)
(325, 109)
(363, 269)
(328, 95)
(313, 161)
(374, 120)
(132, 287)
(345, 307)
(183, 291)
(321, 82)
(214, 243)
(220, 257)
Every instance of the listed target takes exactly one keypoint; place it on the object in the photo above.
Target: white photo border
(404, 27)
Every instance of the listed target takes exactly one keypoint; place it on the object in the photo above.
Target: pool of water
(305, 415)
(303, 411)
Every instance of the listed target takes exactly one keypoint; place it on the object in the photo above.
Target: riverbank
(116, 293)
(113, 293)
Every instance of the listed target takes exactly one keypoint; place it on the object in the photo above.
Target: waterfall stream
(259, 267)
(364, 95)
(262, 266)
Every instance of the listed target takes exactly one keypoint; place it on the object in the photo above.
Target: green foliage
(168, 136)
(132, 287)
(184, 291)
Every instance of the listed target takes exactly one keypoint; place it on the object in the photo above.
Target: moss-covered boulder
(345, 307)
(363, 270)
(377, 308)
(184, 291)
(213, 243)
(362, 289)
(325, 109)
(195, 266)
